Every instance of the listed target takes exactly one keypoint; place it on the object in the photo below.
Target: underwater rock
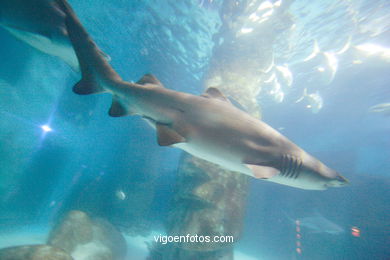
(209, 201)
(87, 238)
(33, 252)
(138, 194)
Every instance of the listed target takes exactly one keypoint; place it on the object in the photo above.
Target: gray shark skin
(41, 24)
(206, 126)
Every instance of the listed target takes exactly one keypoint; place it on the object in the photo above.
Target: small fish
(120, 194)
(208, 126)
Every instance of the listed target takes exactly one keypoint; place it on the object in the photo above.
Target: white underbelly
(222, 157)
(301, 182)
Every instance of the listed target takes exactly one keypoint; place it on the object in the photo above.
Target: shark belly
(224, 158)
(301, 182)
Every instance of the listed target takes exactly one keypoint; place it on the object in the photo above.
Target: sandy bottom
(136, 246)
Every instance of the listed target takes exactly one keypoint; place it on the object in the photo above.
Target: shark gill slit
(295, 166)
(290, 166)
(298, 169)
(285, 164)
(283, 168)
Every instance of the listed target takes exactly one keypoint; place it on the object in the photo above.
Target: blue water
(88, 156)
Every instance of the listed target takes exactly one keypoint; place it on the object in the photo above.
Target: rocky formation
(208, 201)
(87, 238)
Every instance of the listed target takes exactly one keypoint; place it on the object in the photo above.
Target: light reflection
(374, 49)
(278, 3)
(285, 74)
(269, 13)
(46, 128)
(313, 101)
(265, 5)
(345, 47)
(254, 17)
(246, 30)
(316, 50)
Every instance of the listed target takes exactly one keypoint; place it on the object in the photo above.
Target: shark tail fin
(95, 69)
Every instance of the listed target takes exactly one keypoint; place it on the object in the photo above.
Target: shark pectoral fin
(262, 172)
(213, 92)
(87, 86)
(149, 79)
(117, 109)
(167, 136)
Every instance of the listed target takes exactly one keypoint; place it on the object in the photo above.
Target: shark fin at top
(149, 79)
(213, 92)
(262, 172)
(167, 136)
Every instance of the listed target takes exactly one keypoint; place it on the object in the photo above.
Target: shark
(41, 24)
(207, 126)
(317, 223)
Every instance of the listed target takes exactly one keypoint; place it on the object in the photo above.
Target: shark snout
(338, 181)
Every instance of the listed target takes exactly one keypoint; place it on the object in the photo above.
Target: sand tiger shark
(207, 126)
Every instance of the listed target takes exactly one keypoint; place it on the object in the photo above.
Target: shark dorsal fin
(213, 92)
(167, 136)
(149, 79)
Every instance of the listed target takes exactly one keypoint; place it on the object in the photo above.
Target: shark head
(338, 181)
(324, 176)
(306, 172)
